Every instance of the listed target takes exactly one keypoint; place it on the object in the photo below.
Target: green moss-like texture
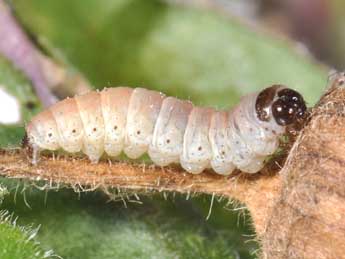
(19, 242)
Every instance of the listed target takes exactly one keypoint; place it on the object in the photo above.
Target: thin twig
(251, 190)
(16, 46)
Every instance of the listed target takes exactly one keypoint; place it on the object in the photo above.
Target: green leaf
(86, 226)
(184, 52)
(15, 84)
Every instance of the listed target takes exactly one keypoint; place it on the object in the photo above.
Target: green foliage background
(180, 51)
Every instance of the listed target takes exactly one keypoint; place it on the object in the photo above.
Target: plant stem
(17, 47)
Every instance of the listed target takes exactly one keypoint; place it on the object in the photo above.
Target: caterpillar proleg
(138, 121)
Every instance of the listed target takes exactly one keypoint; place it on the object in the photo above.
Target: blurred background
(318, 25)
(209, 51)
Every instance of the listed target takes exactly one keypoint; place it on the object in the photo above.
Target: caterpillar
(170, 130)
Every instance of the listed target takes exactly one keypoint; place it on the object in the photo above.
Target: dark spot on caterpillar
(289, 108)
(30, 105)
(50, 134)
(168, 141)
(264, 101)
(94, 129)
(138, 132)
(200, 148)
(115, 127)
(223, 153)
(74, 131)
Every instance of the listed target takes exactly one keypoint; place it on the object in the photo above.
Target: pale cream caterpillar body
(138, 121)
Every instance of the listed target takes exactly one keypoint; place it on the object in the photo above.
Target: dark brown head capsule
(289, 107)
(285, 105)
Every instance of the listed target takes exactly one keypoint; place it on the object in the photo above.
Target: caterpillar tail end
(31, 150)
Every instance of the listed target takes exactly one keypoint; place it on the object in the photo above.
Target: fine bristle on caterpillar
(138, 121)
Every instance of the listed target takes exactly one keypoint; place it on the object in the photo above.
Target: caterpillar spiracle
(170, 130)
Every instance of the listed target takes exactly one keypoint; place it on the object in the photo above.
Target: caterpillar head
(284, 105)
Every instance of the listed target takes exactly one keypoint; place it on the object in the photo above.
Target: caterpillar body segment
(70, 132)
(138, 121)
(259, 136)
(222, 157)
(44, 131)
(115, 102)
(167, 141)
(143, 111)
(91, 115)
(197, 153)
